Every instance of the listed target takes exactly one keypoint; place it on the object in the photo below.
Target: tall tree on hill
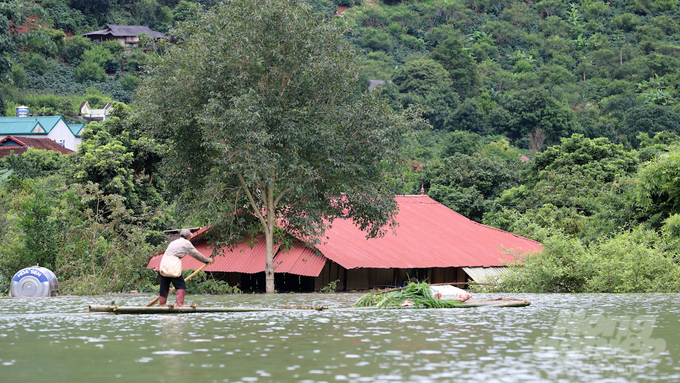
(259, 104)
(461, 67)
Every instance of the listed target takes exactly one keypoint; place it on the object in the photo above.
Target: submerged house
(431, 242)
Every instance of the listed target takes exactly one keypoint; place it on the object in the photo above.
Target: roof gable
(10, 145)
(76, 129)
(11, 141)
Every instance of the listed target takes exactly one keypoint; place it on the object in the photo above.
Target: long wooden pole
(172, 309)
(172, 289)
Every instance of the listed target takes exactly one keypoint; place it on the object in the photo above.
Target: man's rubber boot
(180, 297)
(162, 301)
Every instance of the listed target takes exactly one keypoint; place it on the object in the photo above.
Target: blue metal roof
(25, 125)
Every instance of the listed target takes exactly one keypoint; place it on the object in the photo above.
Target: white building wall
(62, 132)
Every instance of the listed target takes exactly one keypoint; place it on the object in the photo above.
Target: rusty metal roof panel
(299, 260)
(429, 235)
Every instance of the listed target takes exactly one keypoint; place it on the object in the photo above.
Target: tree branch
(258, 213)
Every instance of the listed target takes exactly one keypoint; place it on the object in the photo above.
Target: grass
(418, 293)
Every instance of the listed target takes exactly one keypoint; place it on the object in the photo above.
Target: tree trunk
(269, 233)
(269, 264)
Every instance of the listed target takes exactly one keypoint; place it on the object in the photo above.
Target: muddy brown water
(559, 338)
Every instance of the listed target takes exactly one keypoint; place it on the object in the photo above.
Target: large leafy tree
(426, 83)
(467, 182)
(258, 103)
(461, 67)
(537, 109)
(581, 187)
(116, 156)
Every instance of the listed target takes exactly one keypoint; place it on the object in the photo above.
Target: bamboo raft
(171, 309)
(498, 302)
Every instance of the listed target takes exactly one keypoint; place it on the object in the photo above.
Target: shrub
(130, 82)
(630, 262)
(19, 76)
(38, 64)
(74, 48)
(63, 16)
(99, 55)
(113, 46)
(135, 60)
(90, 71)
(202, 283)
(44, 41)
(626, 22)
(103, 251)
(633, 262)
(376, 40)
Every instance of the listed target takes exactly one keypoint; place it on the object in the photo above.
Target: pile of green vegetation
(419, 293)
(204, 283)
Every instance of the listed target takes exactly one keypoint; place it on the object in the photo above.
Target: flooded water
(559, 338)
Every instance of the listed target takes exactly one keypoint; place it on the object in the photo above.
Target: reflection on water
(565, 338)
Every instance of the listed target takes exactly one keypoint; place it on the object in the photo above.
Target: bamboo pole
(171, 309)
(172, 289)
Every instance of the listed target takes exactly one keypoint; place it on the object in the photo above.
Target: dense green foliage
(635, 261)
(203, 283)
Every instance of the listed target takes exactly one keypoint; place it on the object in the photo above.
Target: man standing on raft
(171, 266)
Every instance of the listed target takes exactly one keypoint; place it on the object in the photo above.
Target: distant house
(95, 114)
(432, 242)
(127, 35)
(52, 127)
(12, 145)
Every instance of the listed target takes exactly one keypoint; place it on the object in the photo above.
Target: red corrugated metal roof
(299, 260)
(429, 235)
(242, 259)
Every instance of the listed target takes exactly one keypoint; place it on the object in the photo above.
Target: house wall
(61, 131)
(348, 280)
(364, 279)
